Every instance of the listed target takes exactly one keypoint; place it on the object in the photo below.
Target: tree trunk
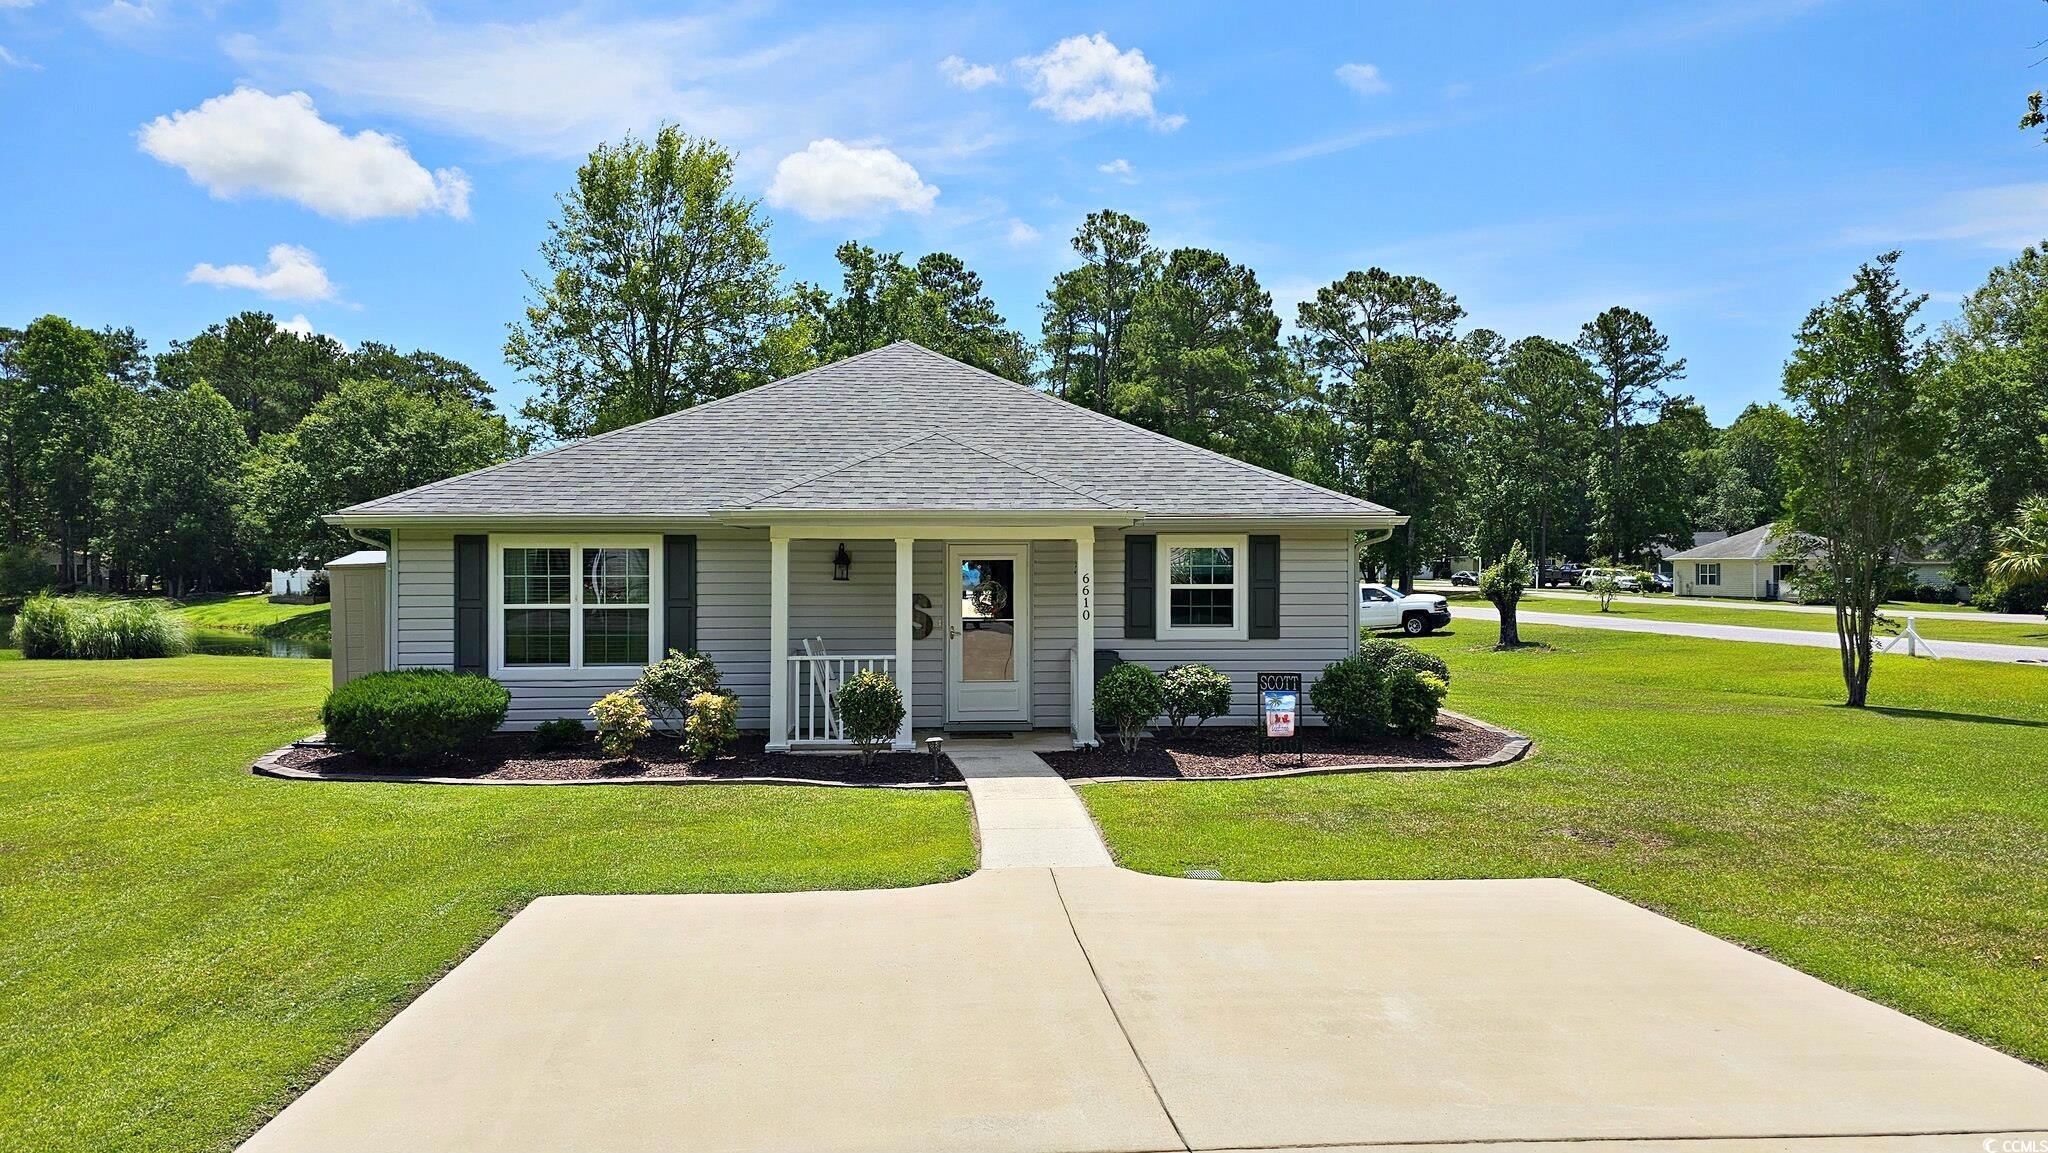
(1542, 544)
(1407, 581)
(1510, 633)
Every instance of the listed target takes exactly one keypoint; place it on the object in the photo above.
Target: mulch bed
(1233, 752)
(513, 757)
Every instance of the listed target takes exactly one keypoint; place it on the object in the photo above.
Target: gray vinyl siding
(1052, 632)
(426, 599)
(857, 616)
(1317, 588)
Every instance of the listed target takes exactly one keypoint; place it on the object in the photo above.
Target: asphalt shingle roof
(1752, 545)
(899, 428)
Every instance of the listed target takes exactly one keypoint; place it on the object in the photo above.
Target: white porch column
(778, 641)
(904, 680)
(1083, 704)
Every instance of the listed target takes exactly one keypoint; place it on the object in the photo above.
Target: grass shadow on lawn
(1972, 718)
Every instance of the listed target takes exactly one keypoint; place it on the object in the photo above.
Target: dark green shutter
(1265, 612)
(1141, 587)
(472, 601)
(679, 596)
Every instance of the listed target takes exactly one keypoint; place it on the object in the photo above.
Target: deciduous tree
(659, 292)
(1864, 456)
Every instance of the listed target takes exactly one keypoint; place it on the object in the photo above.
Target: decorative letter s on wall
(920, 620)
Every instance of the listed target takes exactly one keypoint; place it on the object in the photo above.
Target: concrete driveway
(1098, 1009)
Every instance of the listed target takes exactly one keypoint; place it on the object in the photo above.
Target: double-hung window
(575, 605)
(1706, 575)
(1204, 586)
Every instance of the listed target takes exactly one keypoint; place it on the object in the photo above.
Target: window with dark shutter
(1265, 599)
(679, 599)
(1141, 587)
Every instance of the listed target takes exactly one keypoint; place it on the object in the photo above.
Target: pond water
(228, 643)
(221, 643)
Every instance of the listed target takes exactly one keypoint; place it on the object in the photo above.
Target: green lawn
(1895, 851)
(183, 946)
(1932, 625)
(253, 613)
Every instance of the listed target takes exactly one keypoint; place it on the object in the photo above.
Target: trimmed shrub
(1412, 702)
(414, 715)
(622, 722)
(1390, 654)
(557, 734)
(713, 723)
(871, 708)
(1129, 696)
(668, 685)
(1352, 696)
(1193, 690)
(99, 628)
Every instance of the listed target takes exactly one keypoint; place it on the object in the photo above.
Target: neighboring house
(1742, 566)
(972, 537)
(1700, 539)
(296, 582)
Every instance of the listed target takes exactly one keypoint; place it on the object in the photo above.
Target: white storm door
(988, 633)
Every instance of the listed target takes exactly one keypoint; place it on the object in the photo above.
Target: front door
(988, 634)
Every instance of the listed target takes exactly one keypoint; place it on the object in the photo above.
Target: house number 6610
(1087, 597)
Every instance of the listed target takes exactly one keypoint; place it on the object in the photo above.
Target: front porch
(987, 626)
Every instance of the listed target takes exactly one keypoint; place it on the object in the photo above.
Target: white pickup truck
(1380, 607)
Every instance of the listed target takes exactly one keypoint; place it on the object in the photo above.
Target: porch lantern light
(842, 565)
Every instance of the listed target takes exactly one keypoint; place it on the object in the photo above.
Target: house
(296, 582)
(975, 539)
(1700, 537)
(1742, 566)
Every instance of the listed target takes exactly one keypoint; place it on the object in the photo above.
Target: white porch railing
(813, 682)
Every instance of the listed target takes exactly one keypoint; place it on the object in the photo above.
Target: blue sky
(386, 171)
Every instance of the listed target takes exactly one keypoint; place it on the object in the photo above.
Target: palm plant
(2023, 544)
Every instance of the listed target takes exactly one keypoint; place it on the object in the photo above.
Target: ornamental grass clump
(1129, 696)
(622, 722)
(1193, 690)
(412, 716)
(871, 707)
(99, 628)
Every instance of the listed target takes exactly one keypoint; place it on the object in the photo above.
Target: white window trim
(1240, 587)
(1700, 571)
(575, 543)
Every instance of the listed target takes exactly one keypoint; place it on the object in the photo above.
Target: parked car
(1624, 577)
(1565, 575)
(1416, 614)
(1660, 583)
(1465, 577)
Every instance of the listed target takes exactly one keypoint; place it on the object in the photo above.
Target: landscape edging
(1518, 746)
(268, 765)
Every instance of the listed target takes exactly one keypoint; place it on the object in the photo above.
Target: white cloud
(293, 273)
(10, 60)
(121, 18)
(2003, 217)
(1119, 168)
(1089, 78)
(1364, 79)
(557, 86)
(298, 325)
(251, 142)
(1020, 233)
(969, 76)
(830, 180)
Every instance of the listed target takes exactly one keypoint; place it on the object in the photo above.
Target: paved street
(1960, 650)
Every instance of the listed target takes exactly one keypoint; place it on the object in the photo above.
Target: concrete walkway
(1026, 816)
(1057, 1010)
(1960, 650)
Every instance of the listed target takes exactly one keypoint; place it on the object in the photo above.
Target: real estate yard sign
(1280, 713)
